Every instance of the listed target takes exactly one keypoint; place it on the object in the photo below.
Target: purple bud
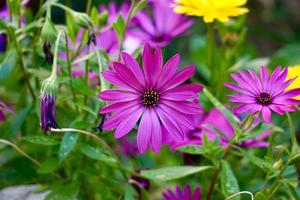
(48, 113)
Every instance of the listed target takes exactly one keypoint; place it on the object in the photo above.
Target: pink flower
(216, 126)
(263, 94)
(160, 27)
(154, 94)
(184, 194)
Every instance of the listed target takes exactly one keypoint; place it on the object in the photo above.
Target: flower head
(162, 26)
(48, 111)
(183, 194)
(294, 72)
(4, 107)
(154, 94)
(48, 118)
(263, 94)
(215, 125)
(211, 10)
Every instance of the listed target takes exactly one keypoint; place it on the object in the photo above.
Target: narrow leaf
(42, 140)
(229, 184)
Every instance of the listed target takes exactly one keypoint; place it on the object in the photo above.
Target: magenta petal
(191, 87)
(118, 106)
(168, 70)
(128, 123)
(144, 132)
(157, 64)
(264, 77)
(156, 135)
(134, 67)
(184, 106)
(115, 80)
(178, 96)
(126, 76)
(266, 114)
(115, 95)
(180, 77)
(2, 116)
(118, 117)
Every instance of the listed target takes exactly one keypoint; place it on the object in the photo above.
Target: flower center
(264, 98)
(150, 97)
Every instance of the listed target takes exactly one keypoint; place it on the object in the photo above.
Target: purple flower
(48, 113)
(162, 26)
(4, 107)
(263, 94)
(184, 194)
(4, 11)
(153, 93)
(128, 148)
(215, 125)
(114, 11)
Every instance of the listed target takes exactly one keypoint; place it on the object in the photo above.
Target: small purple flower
(215, 125)
(153, 93)
(114, 11)
(3, 42)
(128, 147)
(4, 11)
(263, 94)
(162, 26)
(183, 194)
(48, 114)
(4, 107)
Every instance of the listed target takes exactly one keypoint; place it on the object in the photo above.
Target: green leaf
(82, 87)
(260, 196)
(42, 140)
(139, 6)
(98, 154)
(286, 56)
(67, 144)
(120, 26)
(264, 165)
(229, 184)
(64, 192)
(233, 120)
(171, 173)
(48, 166)
(18, 120)
(8, 64)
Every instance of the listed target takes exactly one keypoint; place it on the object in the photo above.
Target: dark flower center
(150, 97)
(264, 98)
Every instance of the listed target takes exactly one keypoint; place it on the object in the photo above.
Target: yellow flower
(292, 73)
(211, 9)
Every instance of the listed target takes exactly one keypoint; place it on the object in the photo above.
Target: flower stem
(210, 51)
(54, 68)
(20, 151)
(98, 139)
(21, 60)
(126, 26)
(70, 71)
(295, 146)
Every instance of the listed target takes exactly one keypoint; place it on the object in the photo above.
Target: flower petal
(134, 67)
(144, 132)
(266, 114)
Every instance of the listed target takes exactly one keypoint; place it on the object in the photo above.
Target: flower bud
(49, 32)
(81, 19)
(48, 111)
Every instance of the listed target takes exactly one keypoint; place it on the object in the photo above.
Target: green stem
(210, 51)
(21, 60)
(55, 59)
(126, 26)
(70, 71)
(48, 12)
(20, 151)
(295, 146)
(98, 139)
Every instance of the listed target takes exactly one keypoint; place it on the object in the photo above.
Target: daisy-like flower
(4, 107)
(214, 124)
(183, 194)
(153, 93)
(263, 94)
(294, 72)
(211, 10)
(162, 26)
